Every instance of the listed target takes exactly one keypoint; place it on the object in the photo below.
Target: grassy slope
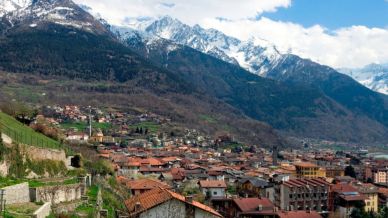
(24, 134)
(81, 126)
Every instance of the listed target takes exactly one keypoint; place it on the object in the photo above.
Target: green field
(23, 134)
(151, 126)
(37, 183)
(81, 126)
(88, 209)
(7, 181)
(207, 118)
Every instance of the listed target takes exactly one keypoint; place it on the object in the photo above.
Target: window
(214, 193)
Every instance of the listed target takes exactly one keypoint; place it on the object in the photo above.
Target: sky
(338, 33)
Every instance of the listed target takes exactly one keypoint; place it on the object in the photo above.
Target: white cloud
(353, 46)
(189, 11)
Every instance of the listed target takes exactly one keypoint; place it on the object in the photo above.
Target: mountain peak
(38, 13)
(8, 6)
(255, 56)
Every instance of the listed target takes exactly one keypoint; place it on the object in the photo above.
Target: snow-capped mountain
(256, 55)
(373, 76)
(34, 13)
(7, 6)
(251, 55)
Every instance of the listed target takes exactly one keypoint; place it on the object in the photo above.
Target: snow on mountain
(255, 55)
(36, 12)
(7, 6)
(251, 55)
(373, 76)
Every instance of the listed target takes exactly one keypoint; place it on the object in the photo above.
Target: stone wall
(43, 211)
(67, 207)
(16, 194)
(35, 153)
(172, 208)
(56, 194)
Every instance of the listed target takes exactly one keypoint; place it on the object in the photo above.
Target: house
(308, 170)
(383, 197)
(142, 185)
(130, 168)
(371, 194)
(380, 175)
(161, 202)
(302, 194)
(213, 188)
(343, 179)
(243, 207)
(151, 170)
(332, 172)
(253, 187)
(77, 136)
(343, 198)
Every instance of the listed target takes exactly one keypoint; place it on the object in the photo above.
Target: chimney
(189, 199)
(137, 206)
(260, 207)
(275, 209)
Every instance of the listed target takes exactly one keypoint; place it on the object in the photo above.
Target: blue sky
(334, 14)
(337, 33)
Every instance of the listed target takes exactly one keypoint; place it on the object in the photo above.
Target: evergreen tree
(349, 171)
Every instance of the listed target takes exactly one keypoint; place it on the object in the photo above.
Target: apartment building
(302, 194)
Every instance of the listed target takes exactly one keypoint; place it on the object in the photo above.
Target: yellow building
(332, 172)
(308, 170)
(98, 137)
(371, 192)
(322, 172)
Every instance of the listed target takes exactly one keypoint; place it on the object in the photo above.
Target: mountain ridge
(373, 76)
(150, 64)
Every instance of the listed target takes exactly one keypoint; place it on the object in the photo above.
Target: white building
(213, 188)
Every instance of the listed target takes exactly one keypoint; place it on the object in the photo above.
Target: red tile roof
(340, 188)
(158, 196)
(212, 184)
(152, 169)
(145, 184)
(253, 204)
(383, 191)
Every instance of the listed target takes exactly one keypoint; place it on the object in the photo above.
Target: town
(155, 169)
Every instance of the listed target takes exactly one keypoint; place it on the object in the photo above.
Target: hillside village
(74, 161)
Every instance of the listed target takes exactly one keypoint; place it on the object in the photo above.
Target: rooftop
(146, 184)
(305, 164)
(253, 204)
(212, 184)
(158, 196)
